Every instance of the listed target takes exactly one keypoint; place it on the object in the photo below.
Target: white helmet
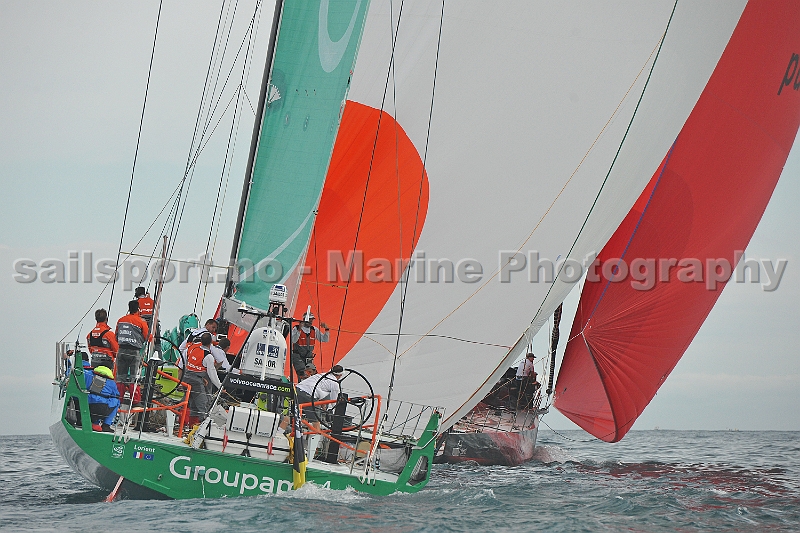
(308, 316)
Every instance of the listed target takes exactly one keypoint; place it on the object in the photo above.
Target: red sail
(705, 203)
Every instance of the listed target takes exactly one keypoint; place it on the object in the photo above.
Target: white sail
(533, 146)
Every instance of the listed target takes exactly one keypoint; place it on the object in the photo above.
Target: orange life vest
(306, 339)
(195, 353)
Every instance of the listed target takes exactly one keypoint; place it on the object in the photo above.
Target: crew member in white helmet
(304, 338)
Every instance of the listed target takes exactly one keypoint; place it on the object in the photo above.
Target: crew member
(102, 342)
(146, 305)
(103, 396)
(304, 337)
(528, 385)
(326, 388)
(200, 373)
(146, 311)
(132, 331)
(225, 345)
(219, 354)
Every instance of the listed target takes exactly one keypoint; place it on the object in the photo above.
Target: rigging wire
(399, 206)
(209, 117)
(633, 233)
(563, 188)
(209, 120)
(619, 149)
(217, 59)
(397, 150)
(221, 24)
(116, 271)
(319, 309)
(541, 420)
(229, 153)
(369, 176)
(136, 152)
(419, 204)
(191, 162)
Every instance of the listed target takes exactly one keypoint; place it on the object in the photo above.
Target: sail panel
(374, 165)
(532, 103)
(314, 56)
(704, 203)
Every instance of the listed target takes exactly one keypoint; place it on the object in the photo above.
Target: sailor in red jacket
(146, 305)
(102, 342)
(132, 335)
(146, 309)
(200, 373)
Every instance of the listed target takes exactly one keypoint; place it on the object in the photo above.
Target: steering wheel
(180, 376)
(358, 402)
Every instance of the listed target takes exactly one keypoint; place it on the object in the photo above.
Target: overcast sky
(71, 89)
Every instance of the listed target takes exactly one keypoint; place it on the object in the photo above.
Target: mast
(248, 175)
(554, 346)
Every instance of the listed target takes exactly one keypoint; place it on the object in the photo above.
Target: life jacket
(146, 306)
(306, 339)
(130, 333)
(96, 341)
(195, 353)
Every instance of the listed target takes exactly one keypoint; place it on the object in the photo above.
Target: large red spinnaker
(705, 203)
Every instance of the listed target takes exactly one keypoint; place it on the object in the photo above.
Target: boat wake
(550, 453)
(312, 491)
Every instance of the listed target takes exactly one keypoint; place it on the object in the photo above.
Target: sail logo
(791, 74)
(331, 53)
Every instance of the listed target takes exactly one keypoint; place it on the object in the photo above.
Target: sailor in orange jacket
(146, 305)
(146, 310)
(132, 334)
(102, 342)
(200, 373)
(304, 337)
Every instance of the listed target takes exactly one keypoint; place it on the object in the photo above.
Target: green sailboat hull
(159, 466)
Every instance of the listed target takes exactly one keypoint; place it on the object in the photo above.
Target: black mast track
(262, 100)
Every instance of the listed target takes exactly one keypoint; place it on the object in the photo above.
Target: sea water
(651, 481)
